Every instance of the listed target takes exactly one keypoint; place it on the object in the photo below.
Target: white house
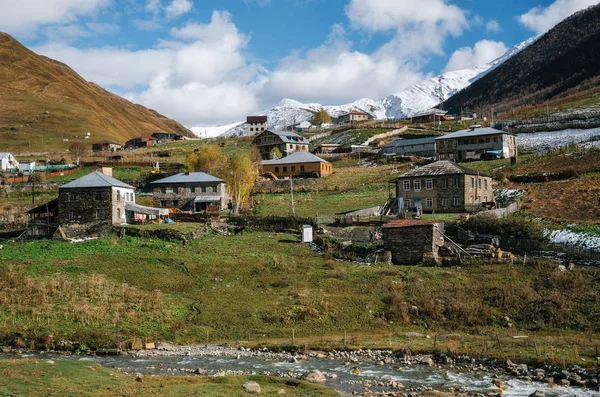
(8, 161)
(26, 167)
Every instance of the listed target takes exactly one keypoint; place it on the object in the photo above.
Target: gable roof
(95, 179)
(296, 158)
(473, 132)
(4, 154)
(435, 111)
(443, 167)
(189, 177)
(288, 136)
(402, 223)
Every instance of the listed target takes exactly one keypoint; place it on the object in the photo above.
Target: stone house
(353, 116)
(411, 241)
(299, 164)
(106, 146)
(256, 124)
(443, 187)
(430, 116)
(92, 204)
(142, 141)
(286, 142)
(8, 161)
(190, 191)
(166, 136)
(470, 144)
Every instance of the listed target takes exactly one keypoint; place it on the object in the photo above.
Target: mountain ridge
(45, 101)
(405, 103)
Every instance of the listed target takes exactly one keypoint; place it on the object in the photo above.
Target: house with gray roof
(419, 147)
(443, 187)
(298, 164)
(279, 143)
(190, 192)
(477, 144)
(92, 204)
(8, 161)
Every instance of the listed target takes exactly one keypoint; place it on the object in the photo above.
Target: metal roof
(401, 223)
(437, 112)
(472, 133)
(3, 155)
(296, 158)
(207, 199)
(188, 177)
(289, 137)
(140, 209)
(443, 167)
(410, 142)
(95, 179)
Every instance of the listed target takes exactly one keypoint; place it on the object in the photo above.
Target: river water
(340, 375)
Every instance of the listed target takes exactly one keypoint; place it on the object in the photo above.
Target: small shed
(410, 241)
(307, 234)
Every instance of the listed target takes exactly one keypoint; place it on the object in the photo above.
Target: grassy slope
(76, 378)
(263, 286)
(31, 85)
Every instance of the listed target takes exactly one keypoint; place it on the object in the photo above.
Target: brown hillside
(43, 101)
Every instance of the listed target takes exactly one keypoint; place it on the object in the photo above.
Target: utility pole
(548, 112)
(32, 177)
(293, 210)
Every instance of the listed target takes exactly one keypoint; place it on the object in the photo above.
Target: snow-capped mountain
(405, 103)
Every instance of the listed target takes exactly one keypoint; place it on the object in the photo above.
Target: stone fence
(385, 135)
(498, 213)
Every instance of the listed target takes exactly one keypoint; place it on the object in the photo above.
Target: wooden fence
(25, 179)
(498, 213)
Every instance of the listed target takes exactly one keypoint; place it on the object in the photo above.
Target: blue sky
(209, 62)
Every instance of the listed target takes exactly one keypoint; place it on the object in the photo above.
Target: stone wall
(84, 206)
(408, 245)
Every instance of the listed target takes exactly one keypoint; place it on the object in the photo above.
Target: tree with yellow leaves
(207, 158)
(239, 175)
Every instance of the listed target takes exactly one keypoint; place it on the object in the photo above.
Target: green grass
(263, 285)
(77, 378)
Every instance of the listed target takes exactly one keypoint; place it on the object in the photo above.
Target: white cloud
(377, 15)
(178, 7)
(493, 26)
(143, 24)
(26, 16)
(336, 73)
(483, 51)
(542, 19)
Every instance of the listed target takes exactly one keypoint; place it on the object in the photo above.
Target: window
(72, 196)
(98, 196)
(293, 168)
(71, 215)
(163, 203)
(251, 129)
(175, 203)
(407, 186)
(456, 182)
(276, 169)
(417, 186)
(301, 168)
(284, 169)
(203, 188)
(118, 212)
(407, 203)
(485, 200)
(209, 189)
(445, 203)
(193, 189)
(479, 183)
(99, 213)
(456, 202)
(485, 184)
(163, 189)
(472, 199)
(429, 203)
(118, 195)
(472, 183)
(169, 190)
(428, 184)
(444, 183)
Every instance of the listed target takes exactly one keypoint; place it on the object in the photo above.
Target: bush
(513, 227)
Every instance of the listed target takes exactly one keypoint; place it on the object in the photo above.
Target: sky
(211, 62)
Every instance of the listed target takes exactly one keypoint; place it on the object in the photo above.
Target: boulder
(139, 377)
(537, 393)
(500, 384)
(251, 387)
(427, 361)
(280, 392)
(314, 376)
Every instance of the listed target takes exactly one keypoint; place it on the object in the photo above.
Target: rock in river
(314, 376)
